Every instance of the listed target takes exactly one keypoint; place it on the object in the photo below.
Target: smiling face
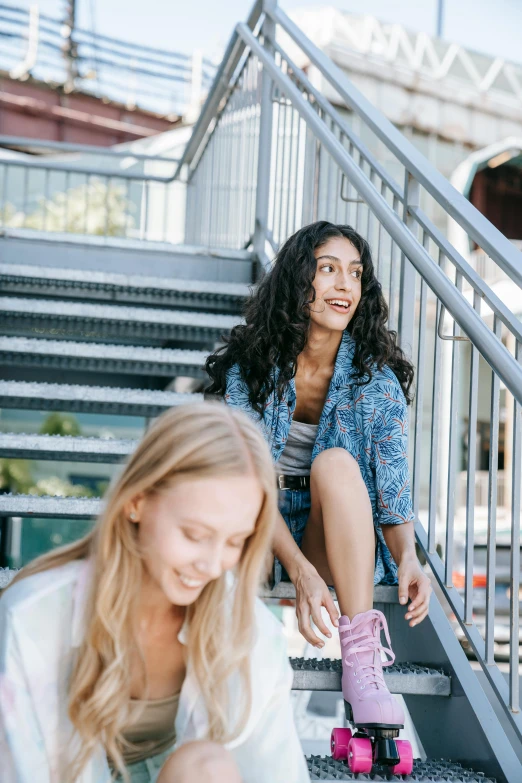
(194, 531)
(337, 284)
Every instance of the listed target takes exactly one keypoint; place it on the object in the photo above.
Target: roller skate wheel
(360, 755)
(339, 742)
(405, 765)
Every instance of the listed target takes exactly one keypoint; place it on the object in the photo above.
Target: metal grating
(107, 286)
(46, 506)
(57, 447)
(429, 771)
(89, 399)
(324, 674)
(126, 359)
(103, 321)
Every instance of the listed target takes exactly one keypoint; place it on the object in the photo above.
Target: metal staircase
(118, 325)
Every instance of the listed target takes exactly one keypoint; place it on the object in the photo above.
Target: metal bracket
(453, 337)
(349, 200)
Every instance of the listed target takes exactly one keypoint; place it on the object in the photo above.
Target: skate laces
(367, 640)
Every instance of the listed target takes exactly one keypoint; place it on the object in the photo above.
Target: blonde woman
(141, 652)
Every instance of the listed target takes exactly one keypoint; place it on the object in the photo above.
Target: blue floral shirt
(369, 421)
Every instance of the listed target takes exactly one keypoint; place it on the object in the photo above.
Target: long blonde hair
(194, 441)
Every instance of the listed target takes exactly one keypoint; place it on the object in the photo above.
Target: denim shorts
(146, 771)
(294, 506)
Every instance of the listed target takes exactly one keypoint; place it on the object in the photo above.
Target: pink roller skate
(371, 709)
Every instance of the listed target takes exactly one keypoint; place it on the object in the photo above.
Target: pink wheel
(339, 742)
(360, 754)
(405, 765)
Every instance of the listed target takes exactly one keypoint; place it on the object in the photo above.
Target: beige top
(154, 731)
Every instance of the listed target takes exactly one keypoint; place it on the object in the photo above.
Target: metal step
(324, 674)
(64, 448)
(429, 771)
(112, 287)
(382, 594)
(124, 256)
(89, 399)
(46, 506)
(90, 357)
(49, 317)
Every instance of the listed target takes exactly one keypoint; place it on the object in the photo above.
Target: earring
(132, 516)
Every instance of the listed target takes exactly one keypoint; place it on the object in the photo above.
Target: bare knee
(200, 761)
(333, 464)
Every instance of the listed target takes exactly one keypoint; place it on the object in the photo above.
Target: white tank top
(296, 458)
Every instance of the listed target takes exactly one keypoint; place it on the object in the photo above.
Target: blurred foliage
(60, 424)
(15, 476)
(90, 208)
(57, 487)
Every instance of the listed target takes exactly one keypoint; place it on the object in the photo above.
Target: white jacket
(41, 627)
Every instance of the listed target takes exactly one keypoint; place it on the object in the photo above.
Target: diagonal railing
(270, 154)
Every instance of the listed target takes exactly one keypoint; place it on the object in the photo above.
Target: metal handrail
(476, 225)
(65, 146)
(496, 354)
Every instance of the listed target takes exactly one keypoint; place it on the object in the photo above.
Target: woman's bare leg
(339, 538)
(195, 761)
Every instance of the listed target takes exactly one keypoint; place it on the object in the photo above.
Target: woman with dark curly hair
(316, 366)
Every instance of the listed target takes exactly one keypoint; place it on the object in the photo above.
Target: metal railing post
(265, 147)
(407, 279)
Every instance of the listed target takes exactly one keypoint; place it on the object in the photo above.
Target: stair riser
(415, 685)
(90, 364)
(92, 294)
(123, 332)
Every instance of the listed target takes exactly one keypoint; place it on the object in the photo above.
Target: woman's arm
(311, 591)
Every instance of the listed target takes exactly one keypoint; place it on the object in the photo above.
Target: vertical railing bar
(277, 191)
(250, 128)
(419, 401)
(393, 273)
(514, 577)
(26, 190)
(166, 193)
(5, 168)
(281, 238)
(243, 161)
(290, 167)
(435, 425)
(126, 208)
(378, 259)
(45, 197)
(358, 206)
(471, 475)
(454, 441)
(106, 207)
(369, 215)
(66, 200)
(492, 506)
(298, 152)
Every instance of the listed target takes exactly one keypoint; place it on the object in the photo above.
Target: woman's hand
(414, 584)
(311, 594)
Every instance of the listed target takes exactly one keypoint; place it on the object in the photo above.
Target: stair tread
(64, 309)
(436, 770)
(20, 445)
(50, 506)
(93, 241)
(324, 674)
(92, 399)
(72, 348)
(93, 278)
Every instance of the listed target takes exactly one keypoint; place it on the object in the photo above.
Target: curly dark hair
(277, 320)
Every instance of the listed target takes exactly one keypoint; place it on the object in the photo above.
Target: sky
(490, 26)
